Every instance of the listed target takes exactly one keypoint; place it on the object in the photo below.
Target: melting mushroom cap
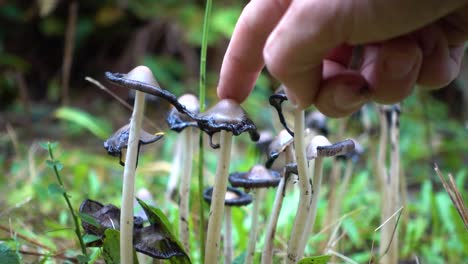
(119, 140)
(277, 146)
(257, 177)
(321, 147)
(233, 197)
(354, 155)
(227, 115)
(178, 121)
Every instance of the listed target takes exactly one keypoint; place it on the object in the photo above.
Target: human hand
(307, 45)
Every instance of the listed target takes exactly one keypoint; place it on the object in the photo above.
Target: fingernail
(350, 95)
(398, 66)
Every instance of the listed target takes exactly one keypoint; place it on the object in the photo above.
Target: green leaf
(315, 260)
(54, 164)
(158, 237)
(96, 126)
(8, 256)
(88, 238)
(89, 219)
(111, 246)
(55, 189)
(82, 258)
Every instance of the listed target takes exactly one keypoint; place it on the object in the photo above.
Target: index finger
(243, 60)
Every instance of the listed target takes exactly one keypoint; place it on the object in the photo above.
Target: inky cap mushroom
(317, 121)
(321, 147)
(277, 146)
(354, 155)
(119, 141)
(176, 120)
(226, 115)
(234, 197)
(257, 177)
(276, 100)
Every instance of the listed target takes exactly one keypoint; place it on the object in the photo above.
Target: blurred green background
(43, 101)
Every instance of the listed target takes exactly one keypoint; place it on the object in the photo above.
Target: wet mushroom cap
(233, 197)
(119, 140)
(277, 146)
(178, 121)
(354, 155)
(321, 147)
(257, 177)
(227, 115)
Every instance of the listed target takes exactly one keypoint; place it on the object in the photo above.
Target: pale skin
(307, 46)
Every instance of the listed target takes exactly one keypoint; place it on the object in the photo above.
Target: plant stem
(67, 200)
(175, 170)
(128, 189)
(184, 191)
(227, 236)
(201, 98)
(217, 204)
(253, 228)
(305, 190)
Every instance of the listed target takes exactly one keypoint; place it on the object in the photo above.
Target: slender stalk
(253, 228)
(392, 195)
(68, 50)
(267, 254)
(128, 190)
(201, 98)
(305, 190)
(184, 192)
(317, 183)
(175, 169)
(227, 236)
(67, 200)
(217, 204)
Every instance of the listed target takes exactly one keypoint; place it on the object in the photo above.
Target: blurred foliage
(165, 36)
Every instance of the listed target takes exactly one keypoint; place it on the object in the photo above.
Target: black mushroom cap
(119, 141)
(257, 177)
(106, 216)
(226, 115)
(277, 146)
(354, 155)
(234, 197)
(317, 121)
(276, 100)
(178, 121)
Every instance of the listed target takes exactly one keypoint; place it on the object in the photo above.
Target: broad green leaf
(88, 238)
(111, 246)
(315, 260)
(96, 126)
(55, 189)
(89, 219)
(158, 238)
(8, 256)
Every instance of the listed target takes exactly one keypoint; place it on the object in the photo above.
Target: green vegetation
(38, 226)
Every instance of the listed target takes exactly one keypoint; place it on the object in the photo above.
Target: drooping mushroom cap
(226, 115)
(276, 100)
(263, 143)
(257, 177)
(277, 146)
(141, 74)
(178, 121)
(119, 140)
(354, 155)
(106, 217)
(321, 147)
(233, 197)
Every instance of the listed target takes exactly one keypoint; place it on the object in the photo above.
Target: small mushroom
(279, 144)
(265, 139)
(233, 197)
(317, 121)
(257, 177)
(318, 149)
(119, 141)
(184, 125)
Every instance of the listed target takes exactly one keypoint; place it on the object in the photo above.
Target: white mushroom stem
(305, 190)
(389, 238)
(267, 254)
(175, 170)
(128, 191)
(184, 190)
(217, 203)
(227, 236)
(253, 227)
